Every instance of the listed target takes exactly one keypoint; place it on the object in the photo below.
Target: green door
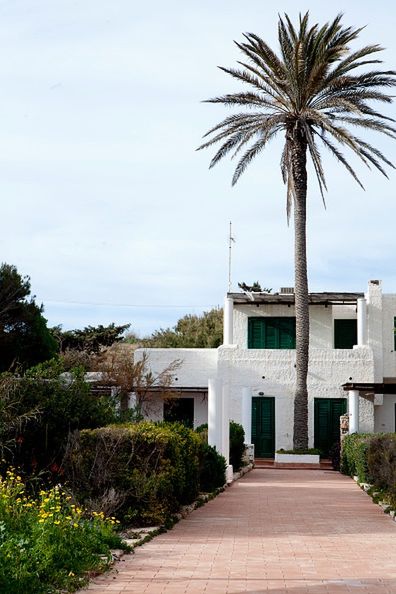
(327, 422)
(263, 426)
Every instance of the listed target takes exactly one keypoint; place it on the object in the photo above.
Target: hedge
(140, 472)
(354, 455)
(372, 458)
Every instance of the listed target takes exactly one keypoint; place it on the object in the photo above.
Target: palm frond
(316, 89)
(252, 152)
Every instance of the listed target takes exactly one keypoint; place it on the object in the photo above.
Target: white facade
(238, 370)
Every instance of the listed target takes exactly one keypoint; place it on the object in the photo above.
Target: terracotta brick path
(306, 531)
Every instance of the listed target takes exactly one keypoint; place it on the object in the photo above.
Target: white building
(250, 378)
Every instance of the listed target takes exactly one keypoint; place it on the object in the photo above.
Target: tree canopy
(25, 339)
(191, 331)
(91, 339)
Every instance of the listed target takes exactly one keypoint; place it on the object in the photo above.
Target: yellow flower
(75, 525)
(57, 522)
(41, 521)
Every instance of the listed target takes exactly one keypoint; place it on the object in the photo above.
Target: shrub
(354, 456)
(49, 544)
(381, 463)
(237, 444)
(38, 411)
(146, 469)
(212, 469)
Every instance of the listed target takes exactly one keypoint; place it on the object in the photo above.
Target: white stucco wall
(328, 370)
(197, 365)
(321, 321)
(375, 327)
(385, 415)
(388, 340)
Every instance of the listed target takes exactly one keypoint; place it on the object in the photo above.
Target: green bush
(237, 442)
(237, 445)
(381, 463)
(372, 457)
(141, 472)
(212, 469)
(38, 412)
(49, 544)
(354, 456)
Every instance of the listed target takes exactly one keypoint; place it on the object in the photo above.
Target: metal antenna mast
(231, 240)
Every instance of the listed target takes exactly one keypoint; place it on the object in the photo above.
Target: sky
(104, 201)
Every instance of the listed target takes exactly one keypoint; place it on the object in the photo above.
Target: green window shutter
(272, 333)
(271, 340)
(255, 333)
(287, 333)
(345, 334)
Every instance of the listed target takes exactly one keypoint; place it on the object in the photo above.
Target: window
(272, 333)
(345, 334)
(180, 410)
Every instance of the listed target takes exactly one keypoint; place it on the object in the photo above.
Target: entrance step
(263, 463)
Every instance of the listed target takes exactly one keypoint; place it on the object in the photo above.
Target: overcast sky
(104, 201)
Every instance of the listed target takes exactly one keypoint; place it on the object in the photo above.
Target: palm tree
(313, 94)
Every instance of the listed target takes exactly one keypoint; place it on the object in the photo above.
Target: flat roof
(371, 388)
(288, 298)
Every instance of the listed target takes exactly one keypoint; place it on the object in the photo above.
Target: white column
(215, 413)
(353, 402)
(228, 321)
(225, 450)
(247, 414)
(361, 321)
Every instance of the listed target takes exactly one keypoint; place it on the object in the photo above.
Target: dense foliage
(354, 455)
(47, 544)
(24, 337)
(91, 339)
(237, 442)
(38, 412)
(372, 458)
(212, 469)
(140, 472)
(191, 331)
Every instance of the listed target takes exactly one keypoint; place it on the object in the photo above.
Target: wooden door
(327, 422)
(263, 426)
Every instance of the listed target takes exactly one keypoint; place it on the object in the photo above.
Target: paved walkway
(277, 531)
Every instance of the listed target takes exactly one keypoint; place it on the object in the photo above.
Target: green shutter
(255, 333)
(345, 334)
(263, 426)
(327, 422)
(287, 333)
(272, 333)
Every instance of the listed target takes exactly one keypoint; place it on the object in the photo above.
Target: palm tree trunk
(299, 172)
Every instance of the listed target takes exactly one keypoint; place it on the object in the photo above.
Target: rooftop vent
(286, 290)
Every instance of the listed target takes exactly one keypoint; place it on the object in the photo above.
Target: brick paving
(277, 531)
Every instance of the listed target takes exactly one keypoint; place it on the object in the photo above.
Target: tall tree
(314, 93)
(24, 337)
